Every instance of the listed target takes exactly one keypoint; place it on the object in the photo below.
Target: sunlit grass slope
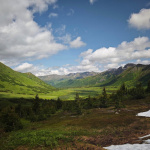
(131, 76)
(21, 83)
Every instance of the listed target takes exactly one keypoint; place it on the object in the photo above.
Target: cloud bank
(110, 57)
(101, 59)
(140, 20)
(21, 38)
(41, 71)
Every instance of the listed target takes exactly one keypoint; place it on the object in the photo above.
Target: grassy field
(64, 94)
(94, 129)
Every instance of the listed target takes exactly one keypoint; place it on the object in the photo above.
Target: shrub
(10, 120)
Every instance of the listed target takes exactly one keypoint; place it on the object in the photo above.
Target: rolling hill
(130, 74)
(21, 83)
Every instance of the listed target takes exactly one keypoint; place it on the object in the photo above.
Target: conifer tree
(77, 98)
(148, 87)
(139, 91)
(103, 99)
(59, 103)
(36, 104)
(89, 102)
(119, 96)
(76, 108)
(123, 89)
(18, 110)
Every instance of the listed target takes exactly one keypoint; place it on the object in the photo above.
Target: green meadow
(64, 94)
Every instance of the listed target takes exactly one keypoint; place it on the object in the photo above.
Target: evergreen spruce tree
(148, 87)
(77, 98)
(118, 100)
(76, 108)
(139, 91)
(76, 105)
(120, 96)
(123, 89)
(89, 102)
(18, 110)
(103, 99)
(36, 104)
(59, 103)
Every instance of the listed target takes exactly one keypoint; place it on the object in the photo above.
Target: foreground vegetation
(90, 123)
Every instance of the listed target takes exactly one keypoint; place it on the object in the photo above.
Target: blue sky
(65, 36)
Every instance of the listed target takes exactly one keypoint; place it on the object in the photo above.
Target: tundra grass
(95, 127)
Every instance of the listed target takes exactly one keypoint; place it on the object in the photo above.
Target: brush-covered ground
(94, 129)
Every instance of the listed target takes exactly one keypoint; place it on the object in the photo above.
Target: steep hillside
(130, 74)
(56, 79)
(23, 83)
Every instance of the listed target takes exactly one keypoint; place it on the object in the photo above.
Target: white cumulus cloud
(77, 43)
(140, 20)
(24, 67)
(21, 38)
(110, 57)
(65, 70)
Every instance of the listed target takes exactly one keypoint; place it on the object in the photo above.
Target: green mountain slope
(88, 81)
(56, 79)
(130, 74)
(22, 83)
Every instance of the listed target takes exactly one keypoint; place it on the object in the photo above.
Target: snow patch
(129, 147)
(147, 141)
(144, 114)
(144, 146)
(146, 136)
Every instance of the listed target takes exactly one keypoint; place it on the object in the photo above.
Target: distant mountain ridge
(130, 74)
(21, 83)
(55, 79)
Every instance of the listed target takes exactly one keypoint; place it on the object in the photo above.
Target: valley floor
(64, 94)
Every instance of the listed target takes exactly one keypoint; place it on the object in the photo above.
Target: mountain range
(55, 79)
(26, 83)
(130, 74)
